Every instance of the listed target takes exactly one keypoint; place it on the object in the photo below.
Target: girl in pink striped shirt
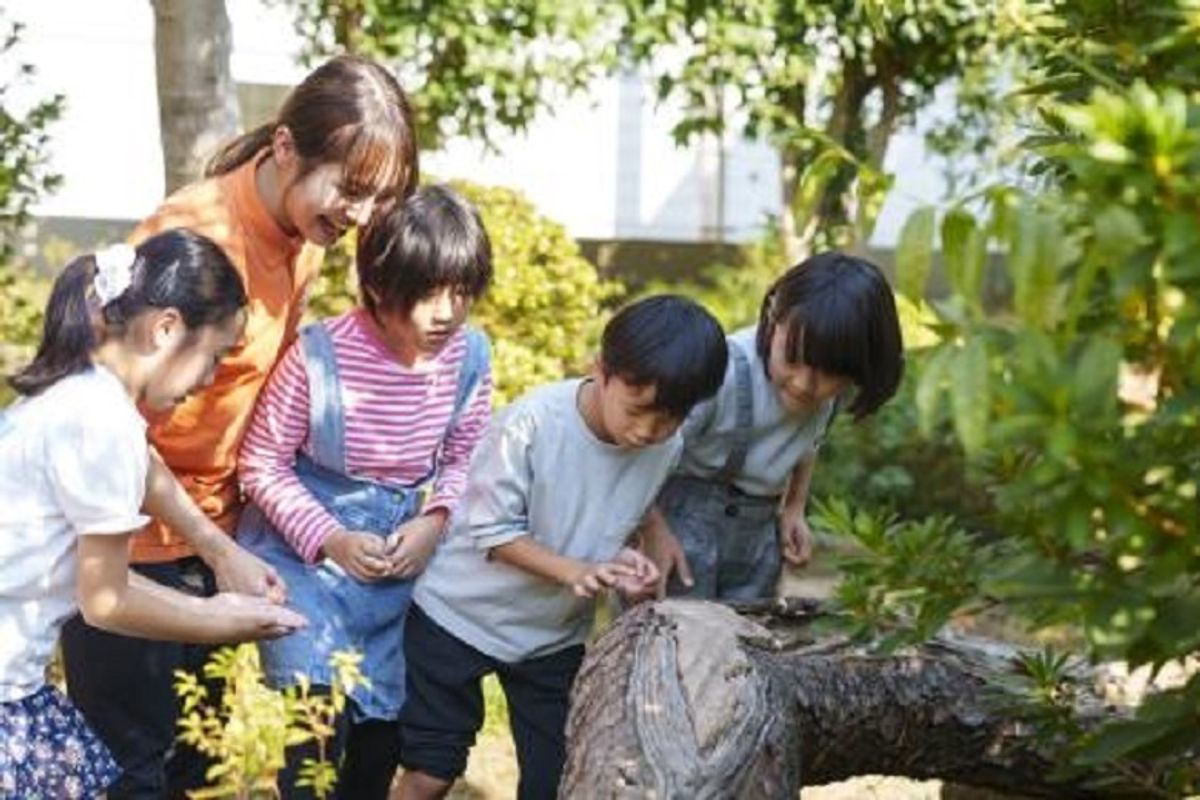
(356, 456)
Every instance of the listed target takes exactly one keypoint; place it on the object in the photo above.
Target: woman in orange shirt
(342, 145)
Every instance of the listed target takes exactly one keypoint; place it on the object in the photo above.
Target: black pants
(125, 688)
(443, 710)
(366, 755)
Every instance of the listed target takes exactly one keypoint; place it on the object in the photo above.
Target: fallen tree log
(688, 699)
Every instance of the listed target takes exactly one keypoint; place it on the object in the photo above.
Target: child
(342, 144)
(555, 492)
(122, 327)
(827, 330)
(357, 455)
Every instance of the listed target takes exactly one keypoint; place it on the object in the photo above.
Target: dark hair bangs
(433, 241)
(670, 342)
(840, 318)
(828, 341)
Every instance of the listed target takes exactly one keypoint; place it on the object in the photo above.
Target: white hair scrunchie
(114, 271)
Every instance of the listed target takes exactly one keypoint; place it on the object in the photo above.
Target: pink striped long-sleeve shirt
(396, 419)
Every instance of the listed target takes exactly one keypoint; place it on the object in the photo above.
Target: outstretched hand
(250, 617)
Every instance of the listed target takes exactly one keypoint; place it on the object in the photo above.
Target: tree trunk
(197, 98)
(687, 699)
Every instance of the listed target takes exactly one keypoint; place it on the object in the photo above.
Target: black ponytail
(68, 332)
(175, 269)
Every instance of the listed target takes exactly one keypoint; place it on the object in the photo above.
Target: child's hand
(239, 570)
(664, 550)
(795, 538)
(643, 583)
(250, 617)
(592, 579)
(362, 555)
(413, 543)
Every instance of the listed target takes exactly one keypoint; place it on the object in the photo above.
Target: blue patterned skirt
(48, 751)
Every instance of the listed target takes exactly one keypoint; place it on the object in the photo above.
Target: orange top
(199, 439)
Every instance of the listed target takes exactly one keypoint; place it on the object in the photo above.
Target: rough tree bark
(686, 699)
(197, 98)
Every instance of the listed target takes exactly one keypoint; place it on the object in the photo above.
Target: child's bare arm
(236, 569)
(584, 578)
(794, 534)
(114, 599)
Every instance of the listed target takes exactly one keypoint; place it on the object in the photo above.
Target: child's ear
(596, 371)
(283, 147)
(167, 328)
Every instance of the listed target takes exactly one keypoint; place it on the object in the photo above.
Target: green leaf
(929, 388)
(1118, 233)
(914, 253)
(969, 394)
(1095, 379)
(964, 253)
(1121, 739)
(1037, 248)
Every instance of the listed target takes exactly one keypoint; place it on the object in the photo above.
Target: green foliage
(906, 578)
(473, 68)
(1075, 399)
(887, 465)
(545, 309)
(23, 179)
(23, 296)
(826, 82)
(23, 138)
(247, 734)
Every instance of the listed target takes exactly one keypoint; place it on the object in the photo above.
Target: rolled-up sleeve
(497, 495)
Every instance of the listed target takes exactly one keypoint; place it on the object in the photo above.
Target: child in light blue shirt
(555, 492)
(734, 510)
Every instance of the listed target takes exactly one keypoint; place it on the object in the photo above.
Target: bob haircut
(434, 240)
(840, 318)
(671, 342)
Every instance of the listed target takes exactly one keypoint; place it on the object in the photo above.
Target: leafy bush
(248, 732)
(1077, 399)
(546, 307)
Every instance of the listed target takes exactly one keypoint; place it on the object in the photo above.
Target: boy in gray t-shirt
(555, 492)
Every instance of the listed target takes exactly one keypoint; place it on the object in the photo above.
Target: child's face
(627, 416)
(801, 388)
(187, 361)
(322, 207)
(429, 325)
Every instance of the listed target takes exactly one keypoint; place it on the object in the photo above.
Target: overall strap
(744, 407)
(326, 420)
(475, 364)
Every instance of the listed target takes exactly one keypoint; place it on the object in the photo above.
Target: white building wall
(603, 164)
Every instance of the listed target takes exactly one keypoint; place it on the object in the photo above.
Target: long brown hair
(348, 110)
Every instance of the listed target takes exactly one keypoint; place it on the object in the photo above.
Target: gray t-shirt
(539, 471)
(779, 439)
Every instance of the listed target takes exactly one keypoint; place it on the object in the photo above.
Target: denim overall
(730, 538)
(342, 612)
